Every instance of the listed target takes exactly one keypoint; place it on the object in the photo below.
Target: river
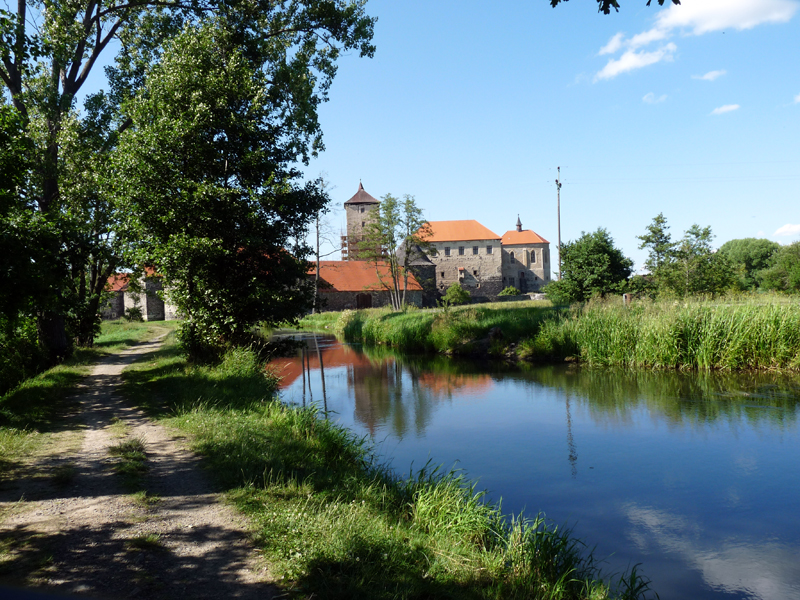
(694, 476)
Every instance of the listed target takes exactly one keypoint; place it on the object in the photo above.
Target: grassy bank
(34, 408)
(331, 522)
(475, 329)
(726, 335)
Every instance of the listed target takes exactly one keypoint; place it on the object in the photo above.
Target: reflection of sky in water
(766, 570)
(694, 476)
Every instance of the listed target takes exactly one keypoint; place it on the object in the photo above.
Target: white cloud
(631, 60)
(651, 98)
(703, 16)
(614, 44)
(797, 99)
(788, 230)
(711, 75)
(692, 17)
(724, 109)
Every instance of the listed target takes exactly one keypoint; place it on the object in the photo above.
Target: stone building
(468, 253)
(526, 259)
(146, 298)
(357, 211)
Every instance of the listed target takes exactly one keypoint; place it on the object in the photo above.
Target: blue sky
(692, 110)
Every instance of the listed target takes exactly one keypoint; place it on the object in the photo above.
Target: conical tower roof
(362, 197)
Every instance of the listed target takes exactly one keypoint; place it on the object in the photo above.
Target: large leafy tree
(749, 256)
(48, 51)
(783, 273)
(590, 266)
(395, 225)
(205, 176)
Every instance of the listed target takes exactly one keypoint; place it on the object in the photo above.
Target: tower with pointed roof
(526, 259)
(357, 211)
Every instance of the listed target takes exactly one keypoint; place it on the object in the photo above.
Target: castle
(464, 252)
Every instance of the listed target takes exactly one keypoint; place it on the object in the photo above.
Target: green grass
(36, 406)
(131, 460)
(454, 330)
(750, 334)
(146, 541)
(332, 522)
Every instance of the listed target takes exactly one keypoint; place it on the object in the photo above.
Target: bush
(456, 295)
(510, 291)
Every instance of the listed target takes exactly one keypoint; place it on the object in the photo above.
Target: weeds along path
(129, 515)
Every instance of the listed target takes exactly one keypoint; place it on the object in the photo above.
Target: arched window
(511, 258)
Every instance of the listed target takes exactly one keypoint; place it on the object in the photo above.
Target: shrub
(510, 291)
(456, 295)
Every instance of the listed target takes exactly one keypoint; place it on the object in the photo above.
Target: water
(695, 476)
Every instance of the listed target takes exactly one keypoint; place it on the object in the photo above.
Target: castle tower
(357, 210)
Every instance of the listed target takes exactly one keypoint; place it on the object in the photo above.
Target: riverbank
(332, 522)
(750, 333)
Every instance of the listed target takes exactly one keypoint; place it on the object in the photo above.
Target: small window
(362, 209)
(474, 250)
(511, 257)
(442, 274)
(533, 256)
(511, 281)
(363, 223)
(461, 250)
(474, 272)
(488, 249)
(447, 250)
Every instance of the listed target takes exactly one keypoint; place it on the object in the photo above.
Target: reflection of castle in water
(385, 392)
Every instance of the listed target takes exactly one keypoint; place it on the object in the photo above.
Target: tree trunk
(53, 336)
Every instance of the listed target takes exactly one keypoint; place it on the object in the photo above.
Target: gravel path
(88, 535)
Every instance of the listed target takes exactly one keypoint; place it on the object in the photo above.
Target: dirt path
(79, 530)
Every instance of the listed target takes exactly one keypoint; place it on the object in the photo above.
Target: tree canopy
(590, 266)
(749, 256)
(783, 272)
(291, 47)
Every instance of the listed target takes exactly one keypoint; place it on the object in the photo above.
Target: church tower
(357, 210)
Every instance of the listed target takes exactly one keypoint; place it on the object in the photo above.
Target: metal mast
(558, 188)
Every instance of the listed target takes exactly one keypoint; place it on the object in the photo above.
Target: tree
(605, 6)
(210, 192)
(46, 62)
(659, 243)
(455, 296)
(783, 273)
(749, 256)
(590, 266)
(696, 268)
(395, 225)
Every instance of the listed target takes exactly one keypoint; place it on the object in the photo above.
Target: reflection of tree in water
(681, 397)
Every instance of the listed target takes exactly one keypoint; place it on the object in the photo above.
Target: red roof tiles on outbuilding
(357, 276)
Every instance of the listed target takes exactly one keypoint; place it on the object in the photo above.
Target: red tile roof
(362, 197)
(118, 282)
(526, 236)
(457, 231)
(356, 276)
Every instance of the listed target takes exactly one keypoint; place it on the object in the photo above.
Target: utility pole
(558, 188)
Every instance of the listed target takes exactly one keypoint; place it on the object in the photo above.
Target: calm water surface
(695, 476)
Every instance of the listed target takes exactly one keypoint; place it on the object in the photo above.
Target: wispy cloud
(651, 98)
(711, 75)
(632, 60)
(691, 18)
(797, 99)
(787, 230)
(725, 109)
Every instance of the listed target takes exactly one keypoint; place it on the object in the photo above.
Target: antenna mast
(558, 189)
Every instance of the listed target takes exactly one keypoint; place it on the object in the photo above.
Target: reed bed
(721, 335)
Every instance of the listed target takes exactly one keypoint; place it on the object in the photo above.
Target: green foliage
(605, 6)
(510, 291)
(696, 335)
(590, 266)
(210, 193)
(456, 295)
(688, 266)
(749, 256)
(65, 219)
(783, 273)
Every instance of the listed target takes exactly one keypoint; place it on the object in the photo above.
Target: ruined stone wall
(470, 263)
